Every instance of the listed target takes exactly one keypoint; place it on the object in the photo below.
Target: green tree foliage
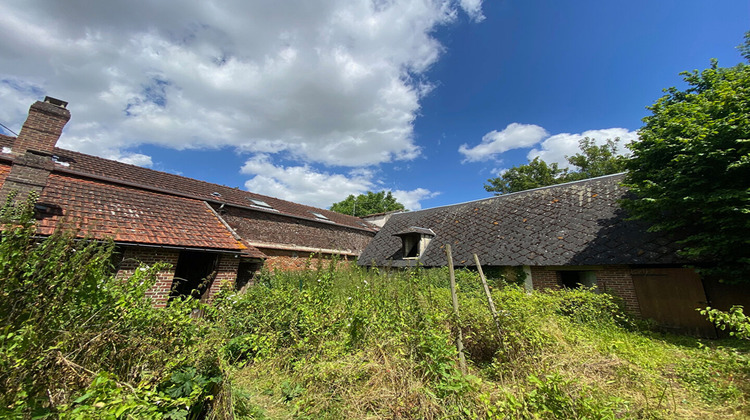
(535, 174)
(591, 161)
(594, 161)
(691, 170)
(366, 204)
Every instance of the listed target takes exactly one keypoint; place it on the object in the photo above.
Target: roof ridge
(517, 193)
(351, 221)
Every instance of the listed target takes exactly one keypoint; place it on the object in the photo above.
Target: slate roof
(578, 223)
(75, 163)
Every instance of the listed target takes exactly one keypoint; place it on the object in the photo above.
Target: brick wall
(226, 276)
(29, 173)
(42, 128)
(134, 256)
(544, 278)
(294, 261)
(615, 280)
(258, 226)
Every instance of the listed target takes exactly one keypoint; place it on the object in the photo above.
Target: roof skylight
(260, 203)
(319, 216)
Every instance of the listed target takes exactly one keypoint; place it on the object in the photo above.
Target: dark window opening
(194, 274)
(246, 274)
(411, 245)
(577, 279)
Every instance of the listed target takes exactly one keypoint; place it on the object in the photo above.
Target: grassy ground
(354, 344)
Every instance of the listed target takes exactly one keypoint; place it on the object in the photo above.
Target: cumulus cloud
(548, 148)
(495, 142)
(304, 184)
(337, 82)
(474, 9)
(555, 148)
(412, 199)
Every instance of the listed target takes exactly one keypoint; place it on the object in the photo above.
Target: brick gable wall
(295, 261)
(268, 228)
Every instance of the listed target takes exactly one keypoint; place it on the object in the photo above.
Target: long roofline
(178, 193)
(501, 196)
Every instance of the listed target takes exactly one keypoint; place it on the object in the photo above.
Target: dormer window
(414, 241)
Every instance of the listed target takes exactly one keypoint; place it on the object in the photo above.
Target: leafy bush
(75, 339)
(735, 320)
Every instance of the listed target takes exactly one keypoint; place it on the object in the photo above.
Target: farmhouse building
(208, 234)
(561, 236)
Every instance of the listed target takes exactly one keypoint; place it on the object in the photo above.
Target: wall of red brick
(544, 278)
(615, 280)
(258, 226)
(133, 257)
(226, 276)
(42, 128)
(294, 261)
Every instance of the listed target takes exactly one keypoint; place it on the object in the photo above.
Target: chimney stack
(43, 127)
(32, 149)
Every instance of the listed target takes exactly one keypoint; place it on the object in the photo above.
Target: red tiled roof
(131, 215)
(179, 185)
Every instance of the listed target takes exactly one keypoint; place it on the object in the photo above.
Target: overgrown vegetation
(334, 342)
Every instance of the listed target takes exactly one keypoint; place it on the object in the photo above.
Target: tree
(592, 161)
(366, 204)
(690, 171)
(535, 174)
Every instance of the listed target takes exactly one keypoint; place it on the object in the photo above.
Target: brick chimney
(33, 148)
(43, 127)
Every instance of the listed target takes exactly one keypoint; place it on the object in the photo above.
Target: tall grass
(334, 341)
(352, 343)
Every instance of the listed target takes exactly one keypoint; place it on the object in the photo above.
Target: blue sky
(312, 101)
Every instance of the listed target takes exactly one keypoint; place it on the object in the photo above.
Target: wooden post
(459, 337)
(489, 301)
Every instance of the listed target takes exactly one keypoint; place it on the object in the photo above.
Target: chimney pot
(55, 101)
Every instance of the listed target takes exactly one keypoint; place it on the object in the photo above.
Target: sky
(312, 101)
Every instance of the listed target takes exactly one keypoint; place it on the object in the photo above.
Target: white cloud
(412, 199)
(551, 149)
(473, 8)
(337, 81)
(304, 184)
(137, 159)
(555, 148)
(495, 142)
